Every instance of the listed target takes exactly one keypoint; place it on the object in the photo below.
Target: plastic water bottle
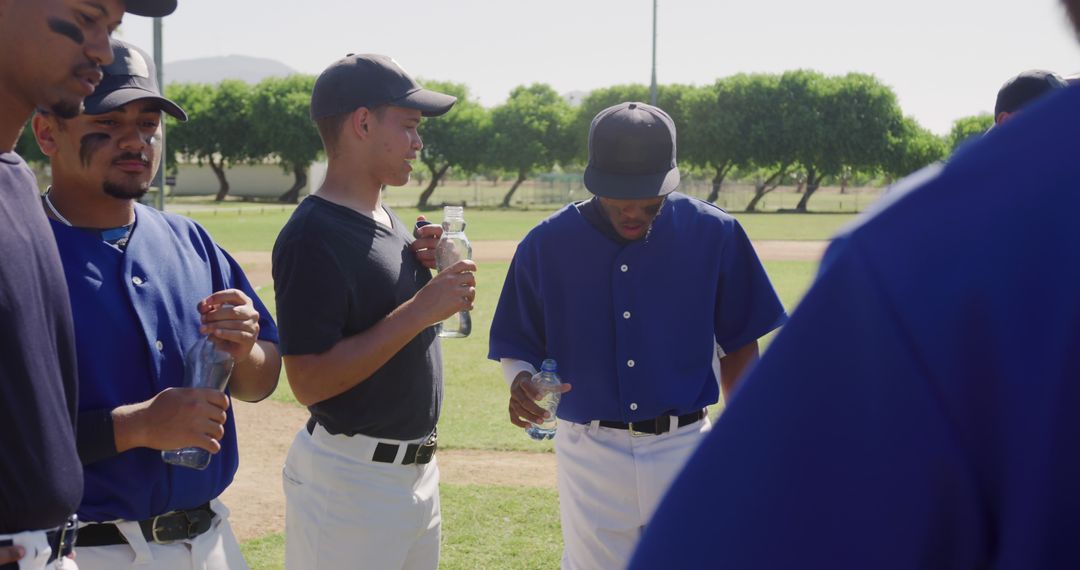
(453, 247)
(547, 383)
(205, 366)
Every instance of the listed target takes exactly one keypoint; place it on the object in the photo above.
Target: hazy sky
(944, 58)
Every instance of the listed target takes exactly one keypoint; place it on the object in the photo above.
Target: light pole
(652, 86)
(159, 179)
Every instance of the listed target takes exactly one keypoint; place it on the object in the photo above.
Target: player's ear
(45, 133)
(359, 121)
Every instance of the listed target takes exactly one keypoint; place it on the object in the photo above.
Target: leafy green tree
(740, 122)
(965, 129)
(282, 128)
(707, 138)
(913, 149)
(857, 118)
(218, 130)
(530, 132)
(458, 139)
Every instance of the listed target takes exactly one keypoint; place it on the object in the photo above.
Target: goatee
(125, 192)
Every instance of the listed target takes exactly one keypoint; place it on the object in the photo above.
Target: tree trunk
(761, 188)
(292, 196)
(436, 175)
(223, 183)
(510, 193)
(813, 181)
(717, 181)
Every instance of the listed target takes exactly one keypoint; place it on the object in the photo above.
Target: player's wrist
(128, 429)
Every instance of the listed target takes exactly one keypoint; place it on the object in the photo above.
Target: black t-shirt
(336, 274)
(40, 473)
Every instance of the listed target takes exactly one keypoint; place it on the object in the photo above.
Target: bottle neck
(453, 226)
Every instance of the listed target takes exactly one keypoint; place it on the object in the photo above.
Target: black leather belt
(418, 453)
(162, 529)
(655, 426)
(61, 539)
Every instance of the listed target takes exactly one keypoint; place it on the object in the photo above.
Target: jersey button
(633, 406)
(630, 363)
(160, 346)
(626, 314)
(624, 268)
(137, 280)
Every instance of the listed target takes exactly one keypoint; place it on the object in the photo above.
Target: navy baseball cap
(151, 8)
(130, 77)
(632, 153)
(1025, 88)
(369, 80)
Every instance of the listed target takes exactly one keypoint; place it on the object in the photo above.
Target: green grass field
(487, 526)
(255, 229)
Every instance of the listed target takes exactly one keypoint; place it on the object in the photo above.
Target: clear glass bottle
(205, 366)
(453, 247)
(547, 382)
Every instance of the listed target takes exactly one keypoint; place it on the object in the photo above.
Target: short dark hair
(330, 128)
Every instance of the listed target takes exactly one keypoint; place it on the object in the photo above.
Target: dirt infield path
(265, 431)
(257, 263)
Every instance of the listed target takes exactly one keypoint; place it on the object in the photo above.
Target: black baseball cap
(370, 80)
(130, 77)
(631, 153)
(1021, 90)
(151, 8)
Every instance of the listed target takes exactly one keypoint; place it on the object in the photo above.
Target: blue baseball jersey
(135, 317)
(920, 409)
(634, 327)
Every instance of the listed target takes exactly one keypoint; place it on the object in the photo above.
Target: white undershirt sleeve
(512, 367)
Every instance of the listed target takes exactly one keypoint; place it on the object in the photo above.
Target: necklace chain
(53, 209)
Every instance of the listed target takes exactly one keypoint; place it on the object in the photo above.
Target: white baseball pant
(343, 510)
(610, 483)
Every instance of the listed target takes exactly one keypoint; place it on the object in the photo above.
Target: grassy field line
(265, 431)
(257, 263)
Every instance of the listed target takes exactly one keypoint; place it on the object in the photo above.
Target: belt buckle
(197, 522)
(636, 433)
(154, 530)
(427, 449)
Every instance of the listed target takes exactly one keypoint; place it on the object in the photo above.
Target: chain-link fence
(545, 191)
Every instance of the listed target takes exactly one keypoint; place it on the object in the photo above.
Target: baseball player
(357, 305)
(1024, 89)
(630, 292)
(919, 410)
(51, 52)
(144, 287)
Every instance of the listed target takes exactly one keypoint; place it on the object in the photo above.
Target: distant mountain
(216, 69)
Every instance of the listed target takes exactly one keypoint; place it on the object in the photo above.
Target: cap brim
(429, 103)
(631, 186)
(121, 97)
(150, 8)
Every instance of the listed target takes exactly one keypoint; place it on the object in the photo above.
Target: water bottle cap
(454, 212)
(548, 365)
